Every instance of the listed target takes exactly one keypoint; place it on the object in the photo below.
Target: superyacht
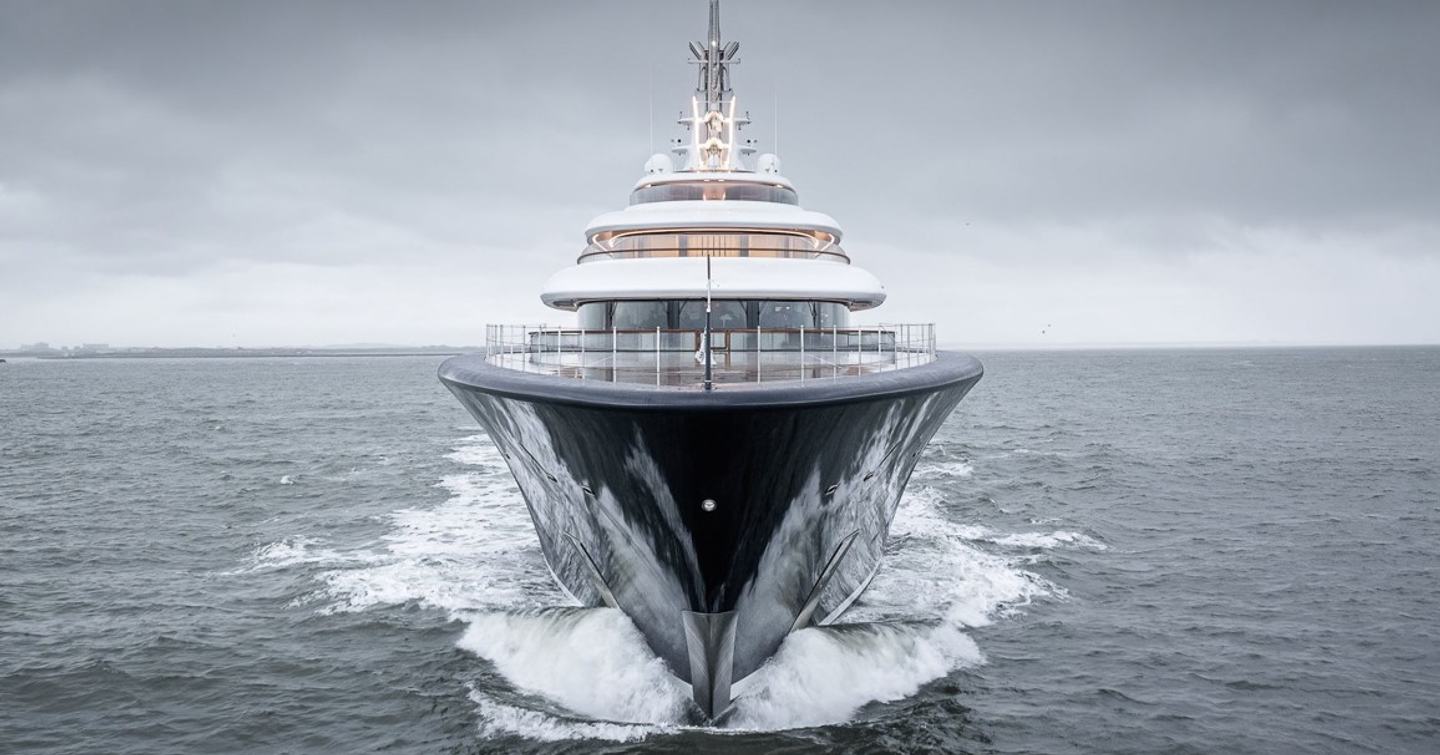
(712, 445)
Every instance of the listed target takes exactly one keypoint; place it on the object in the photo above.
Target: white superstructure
(724, 225)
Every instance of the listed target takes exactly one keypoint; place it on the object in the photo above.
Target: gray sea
(1207, 551)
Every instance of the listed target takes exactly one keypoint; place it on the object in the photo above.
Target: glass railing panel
(674, 358)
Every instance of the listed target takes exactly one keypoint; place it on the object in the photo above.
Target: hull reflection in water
(718, 521)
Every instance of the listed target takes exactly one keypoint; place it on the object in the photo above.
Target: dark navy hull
(804, 479)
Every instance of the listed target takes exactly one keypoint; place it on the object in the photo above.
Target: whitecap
(933, 568)
(298, 551)
(823, 675)
(499, 719)
(592, 661)
(1048, 540)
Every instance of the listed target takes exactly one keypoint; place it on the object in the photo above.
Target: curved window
(829, 314)
(640, 314)
(786, 314)
(813, 244)
(713, 191)
(725, 314)
(595, 315)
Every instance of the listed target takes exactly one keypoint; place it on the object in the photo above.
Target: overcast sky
(289, 173)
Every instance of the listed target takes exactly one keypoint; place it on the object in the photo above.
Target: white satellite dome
(659, 163)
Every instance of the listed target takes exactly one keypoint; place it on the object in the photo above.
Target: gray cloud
(210, 172)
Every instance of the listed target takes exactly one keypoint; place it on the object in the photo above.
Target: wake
(476, 557)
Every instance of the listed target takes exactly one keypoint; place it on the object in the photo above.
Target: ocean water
(1129, 551)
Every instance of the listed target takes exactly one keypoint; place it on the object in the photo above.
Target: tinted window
(713, 190)
(723, 315)
(640, 314)
(786, 314)
(831, 315)
(726, 314)
(594, 315)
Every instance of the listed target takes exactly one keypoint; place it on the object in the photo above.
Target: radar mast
(713, 121)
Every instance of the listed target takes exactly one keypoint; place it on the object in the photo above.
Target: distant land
(105, 351)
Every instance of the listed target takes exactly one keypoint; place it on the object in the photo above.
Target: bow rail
(676, 357)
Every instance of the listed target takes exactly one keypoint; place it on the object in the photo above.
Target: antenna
(714, 57)
(776, 147)
(713, 119)
(651, 145)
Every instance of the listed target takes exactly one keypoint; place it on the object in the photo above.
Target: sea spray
(502, 719)
(591, 660)
(823, 675)
(476, 557)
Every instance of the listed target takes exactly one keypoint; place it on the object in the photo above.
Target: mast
(714, 58)
(712, 120)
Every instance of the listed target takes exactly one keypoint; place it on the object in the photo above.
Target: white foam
(476, 556)
(824, 675)
(1048, 540)
(475, 551)
(497, 719)
(941, 469)
(287, 480)
(933, 568)
(591, 660)
(299, 551)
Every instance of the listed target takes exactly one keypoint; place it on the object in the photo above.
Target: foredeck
(676, 358)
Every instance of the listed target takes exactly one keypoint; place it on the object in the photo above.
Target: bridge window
(813, 244)
(726, 314)
(714, 190)
(640, 314)
(786, 314)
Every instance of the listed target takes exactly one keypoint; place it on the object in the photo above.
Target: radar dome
(769, 163)
(659, 163)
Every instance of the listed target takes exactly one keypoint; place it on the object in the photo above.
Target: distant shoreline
(190, 352)
(203, 353)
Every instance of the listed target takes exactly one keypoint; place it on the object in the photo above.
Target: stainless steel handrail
(676, 357)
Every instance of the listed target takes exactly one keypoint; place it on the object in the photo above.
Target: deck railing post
(835, 351)
(657, 354)
(614, 352)
(802, 353)
(757, 353)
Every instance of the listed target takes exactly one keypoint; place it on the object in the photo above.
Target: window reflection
(594, 315)
(828, 314)
(726, 314)
(785, 314)
(640, 314)
(712, 191)
(811, 245)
